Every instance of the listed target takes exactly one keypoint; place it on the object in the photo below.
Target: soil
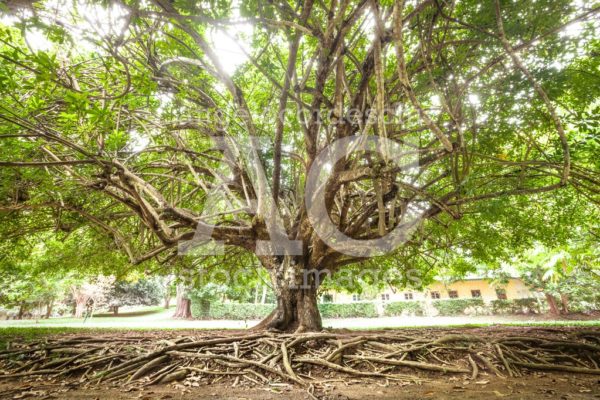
(530, 386)
(540, 386)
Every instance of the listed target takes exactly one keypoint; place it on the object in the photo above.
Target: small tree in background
(147, 292)
(95, 291)
(29, 292)
(167, 289)
(568, 274)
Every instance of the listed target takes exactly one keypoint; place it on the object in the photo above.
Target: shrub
(400, 307)
(456, 306)
(528, 304)
(235, 311)
(586, 301)
(240, 311)
(348, 310)
(502, 306)
(516, 306)
(147, 292)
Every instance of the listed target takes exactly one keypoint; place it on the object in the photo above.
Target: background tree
(29, 293)
(91, 295)
(569, 274)
(167, 289)
(147, 292)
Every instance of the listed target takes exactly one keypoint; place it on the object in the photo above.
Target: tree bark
(21, 311)
(183, 308)
(49, 307)
(80, 309)
(256, 293)
(296, 293)
(167, 285)
(564, 300)
(552, 304)
(263, 298)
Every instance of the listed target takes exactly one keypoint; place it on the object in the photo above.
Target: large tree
(131, 120)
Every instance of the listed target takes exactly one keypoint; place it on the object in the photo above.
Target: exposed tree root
(306, 360)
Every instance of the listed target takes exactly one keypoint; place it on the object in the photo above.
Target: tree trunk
(183, 308)
(552, 304)
(21, 311)
(80, 308)
(263, 298)
(49, 306)
(296, 293)
(256, 293)
(115, 310)
(167, 298)
(564, 300)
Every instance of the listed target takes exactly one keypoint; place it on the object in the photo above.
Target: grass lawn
(158, 318)
(132, 315)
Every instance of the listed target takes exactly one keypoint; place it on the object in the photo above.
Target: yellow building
(515, 288)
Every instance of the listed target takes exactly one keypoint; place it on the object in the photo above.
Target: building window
(385, 296)
(408, 296)
(475, 293)
(356, 297)
(453, 294)
(435, 295)
(501, 293)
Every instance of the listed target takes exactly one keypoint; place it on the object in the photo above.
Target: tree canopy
(148, 122)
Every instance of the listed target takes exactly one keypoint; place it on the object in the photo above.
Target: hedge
(516, 306)
(397, 308)
(235, 311)
(242, 311)
(349, 310)
(456, 306)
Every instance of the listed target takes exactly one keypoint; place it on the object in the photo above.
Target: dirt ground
(535, 387)
(532, 385)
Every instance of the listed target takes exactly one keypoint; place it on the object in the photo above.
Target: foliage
(27, 291)
(516, 306)
(91, 294)
(111, 123)
(569, 272)
(398, 308)
(28, 280)
(348, 310)
(456, 306)
(147, 292)
(244, 311)
(233, 311)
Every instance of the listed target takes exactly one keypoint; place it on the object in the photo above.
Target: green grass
(23, 334)
(148, 319)
(40, 330)
(134, 313)
(104, 318)
(558, 324)
(28, 333)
